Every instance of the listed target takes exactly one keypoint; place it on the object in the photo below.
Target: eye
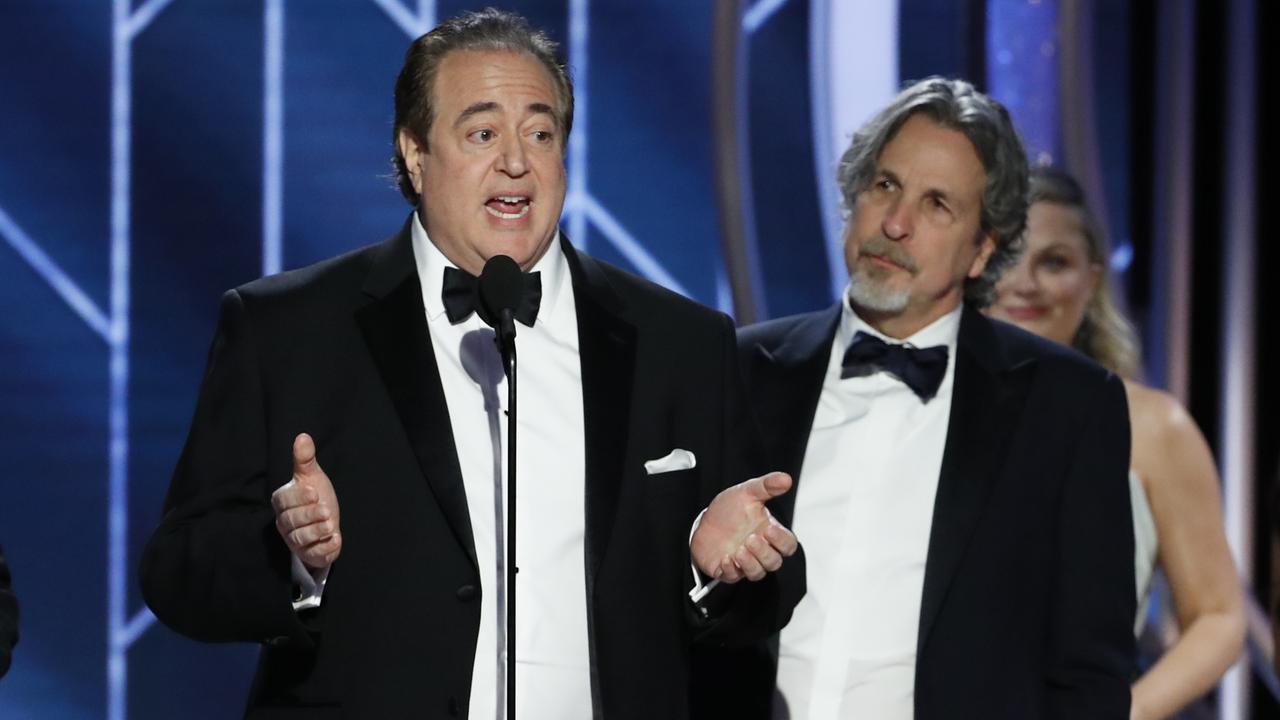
(543, 136)
(482, 135)
(1055, 263)
(938, 206)
(883, 185)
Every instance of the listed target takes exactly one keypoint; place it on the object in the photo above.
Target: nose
(1019, 279)
(897, 222)
(511, 156)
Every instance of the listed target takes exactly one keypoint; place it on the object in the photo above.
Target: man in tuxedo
(960, 484)
(349, 439)
(8, 617)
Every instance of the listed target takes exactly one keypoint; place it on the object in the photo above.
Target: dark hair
(487, 29)
(1105, 334)
(957, 105)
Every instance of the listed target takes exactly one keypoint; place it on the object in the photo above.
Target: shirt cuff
(310, 582)
(699, 591)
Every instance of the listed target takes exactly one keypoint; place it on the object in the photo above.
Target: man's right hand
(307, 509)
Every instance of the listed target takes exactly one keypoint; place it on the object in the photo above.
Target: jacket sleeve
(746, 613)
(8, 617)
(1091, 635)
(215, 569)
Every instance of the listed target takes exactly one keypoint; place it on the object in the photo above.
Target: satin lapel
(985, 403)
(784, 385)
(606, 350)
(395, 330)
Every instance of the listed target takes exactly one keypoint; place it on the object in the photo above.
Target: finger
(303, 515)
(767, 487)
(729, 572)
(747, 562)
(782, 539)
(304, 457)
(764, 553)
(300, 538)
(293, 494)
(321, 554)
(336, 541)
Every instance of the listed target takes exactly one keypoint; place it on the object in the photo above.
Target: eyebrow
(940, 194)
(934, 192)
(476, 109)
(490, 106)
(886, 174)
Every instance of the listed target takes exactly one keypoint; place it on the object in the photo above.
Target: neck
(903, 324)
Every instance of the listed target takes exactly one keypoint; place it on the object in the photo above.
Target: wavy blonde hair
(1105, 335)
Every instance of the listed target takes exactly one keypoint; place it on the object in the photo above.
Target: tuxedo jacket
(8, 617)
(342, 350)
(1028, 601)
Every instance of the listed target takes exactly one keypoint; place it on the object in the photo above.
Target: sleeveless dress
(1144, 547)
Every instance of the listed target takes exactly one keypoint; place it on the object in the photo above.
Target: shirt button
(467, 593)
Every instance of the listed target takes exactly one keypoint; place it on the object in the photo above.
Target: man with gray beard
(961, 484)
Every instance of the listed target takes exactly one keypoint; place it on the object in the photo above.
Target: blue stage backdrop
(154, 153)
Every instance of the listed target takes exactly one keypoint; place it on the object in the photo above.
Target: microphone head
(500, 287)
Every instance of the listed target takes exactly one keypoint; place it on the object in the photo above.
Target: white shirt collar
(431, 264)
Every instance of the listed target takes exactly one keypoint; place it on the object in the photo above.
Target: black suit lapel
(785, 385)
(986, 396)
(395, 330)
(606, 349)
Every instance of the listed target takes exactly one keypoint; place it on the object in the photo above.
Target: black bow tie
(920, 368)
(461, 298)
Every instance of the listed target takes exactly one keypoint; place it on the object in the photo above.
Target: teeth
(507, 216)
(511, 199)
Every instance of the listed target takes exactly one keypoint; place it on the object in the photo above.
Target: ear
(412, 151)
(986, 247)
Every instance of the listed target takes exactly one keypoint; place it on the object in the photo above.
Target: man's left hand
(738, 536)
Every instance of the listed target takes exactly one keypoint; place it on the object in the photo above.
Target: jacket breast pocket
(673, 482)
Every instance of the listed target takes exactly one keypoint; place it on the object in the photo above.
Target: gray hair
(487, 29)
(957, 105)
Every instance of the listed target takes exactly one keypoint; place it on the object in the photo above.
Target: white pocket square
(677, 459)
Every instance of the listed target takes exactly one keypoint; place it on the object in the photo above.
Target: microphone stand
(506, 341)
(499, 289)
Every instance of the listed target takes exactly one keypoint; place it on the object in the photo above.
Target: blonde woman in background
(1058, 290)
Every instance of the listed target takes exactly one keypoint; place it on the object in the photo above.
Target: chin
(525, 253)
(1046, 329)
(879, 298)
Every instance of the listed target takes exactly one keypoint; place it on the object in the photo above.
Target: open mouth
(508, 207)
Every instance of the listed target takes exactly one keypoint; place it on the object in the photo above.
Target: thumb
(304, 458)
(767, 487)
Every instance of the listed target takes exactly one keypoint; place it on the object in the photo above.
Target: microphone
(500, 289)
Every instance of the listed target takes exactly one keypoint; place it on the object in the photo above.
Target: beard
(871, 285)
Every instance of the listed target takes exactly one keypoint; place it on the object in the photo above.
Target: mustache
(882, 246)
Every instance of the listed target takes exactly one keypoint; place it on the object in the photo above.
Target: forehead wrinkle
(479, 108)
(928, 191)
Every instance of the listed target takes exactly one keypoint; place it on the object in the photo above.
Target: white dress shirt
(553, 660)
(863, 511)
